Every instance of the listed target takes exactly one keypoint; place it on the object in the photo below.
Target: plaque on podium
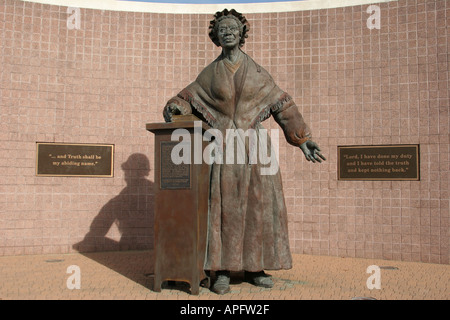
(181, 202)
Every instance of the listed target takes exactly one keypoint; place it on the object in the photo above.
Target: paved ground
(128, 275)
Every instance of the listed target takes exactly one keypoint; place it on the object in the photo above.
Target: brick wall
(103, 82)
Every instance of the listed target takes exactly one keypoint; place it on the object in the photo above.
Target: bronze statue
(248, 227)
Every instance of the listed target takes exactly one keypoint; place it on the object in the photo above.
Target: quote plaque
(379, 162)
(74, 160)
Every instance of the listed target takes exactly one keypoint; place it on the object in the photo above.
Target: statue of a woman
(247, 215)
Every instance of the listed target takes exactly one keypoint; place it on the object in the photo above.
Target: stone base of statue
(181, 205)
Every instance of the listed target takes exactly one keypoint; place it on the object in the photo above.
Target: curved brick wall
(103, 82)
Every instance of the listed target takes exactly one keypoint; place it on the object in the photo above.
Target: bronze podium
(181, 203)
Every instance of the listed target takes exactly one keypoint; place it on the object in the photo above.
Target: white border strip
(289, 6)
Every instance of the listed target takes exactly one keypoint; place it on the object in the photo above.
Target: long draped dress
(248, 227)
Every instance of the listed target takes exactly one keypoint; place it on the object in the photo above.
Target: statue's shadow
(131, 214)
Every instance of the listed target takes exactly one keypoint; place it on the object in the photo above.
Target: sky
(209, 1)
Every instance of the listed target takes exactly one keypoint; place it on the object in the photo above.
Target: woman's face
(228, 33)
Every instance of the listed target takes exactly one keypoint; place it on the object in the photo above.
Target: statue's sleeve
(183, 106)
(291, 121)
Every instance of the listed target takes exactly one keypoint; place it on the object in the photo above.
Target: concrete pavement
(128, 275)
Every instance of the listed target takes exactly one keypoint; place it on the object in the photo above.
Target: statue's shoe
(222, 283)
(260, 279)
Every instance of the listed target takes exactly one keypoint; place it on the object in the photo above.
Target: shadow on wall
(131, 212)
